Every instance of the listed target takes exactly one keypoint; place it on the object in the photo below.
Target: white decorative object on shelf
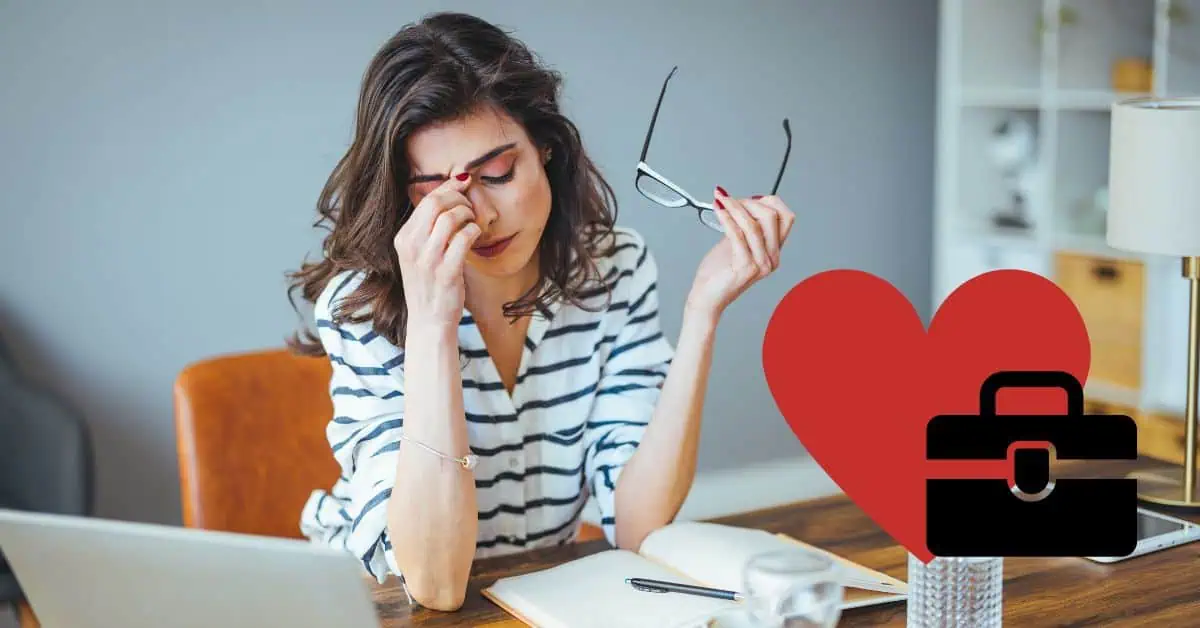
(1014, 151)
(1051, 69)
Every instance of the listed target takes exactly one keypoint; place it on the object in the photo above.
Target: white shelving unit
(1052, 61)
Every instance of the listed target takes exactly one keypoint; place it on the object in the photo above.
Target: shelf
(982, 188)
(1062, 242)
(1101, 33)
(1046, 100)
(1063, 76)
(968, 258)
(999, 239)
(1090, 99)
(1080, 72)
(1090, 244)
(1011, 26)
(1001, 98)
(1080, 171)
(1183, 50)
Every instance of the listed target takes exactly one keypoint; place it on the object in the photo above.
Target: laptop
(83, 572)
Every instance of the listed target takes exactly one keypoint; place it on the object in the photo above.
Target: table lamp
(1154, 208)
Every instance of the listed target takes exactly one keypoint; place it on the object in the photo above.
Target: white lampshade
(1154, 176)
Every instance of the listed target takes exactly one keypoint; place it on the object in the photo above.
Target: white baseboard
(731, 491)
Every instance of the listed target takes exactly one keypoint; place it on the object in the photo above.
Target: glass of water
(794, 588)
(951, 592)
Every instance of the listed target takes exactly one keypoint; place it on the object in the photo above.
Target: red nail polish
(717, 202)
(721, 191)
(462, 176)
(756, 196)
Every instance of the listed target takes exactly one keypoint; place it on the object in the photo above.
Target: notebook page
(858, 575)
(716, 554)
(712, 553)
(592, 592)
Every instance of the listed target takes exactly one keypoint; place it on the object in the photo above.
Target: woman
(475, 297)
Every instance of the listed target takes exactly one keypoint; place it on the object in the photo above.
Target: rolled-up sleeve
(630, 383)
(367, 391)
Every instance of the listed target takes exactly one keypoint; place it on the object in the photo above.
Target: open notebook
(592, 591)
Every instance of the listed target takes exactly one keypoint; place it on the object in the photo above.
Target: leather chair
(250, 433)
(588, 532)
(251, 441)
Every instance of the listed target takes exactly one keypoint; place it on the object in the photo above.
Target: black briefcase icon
(1037, 517)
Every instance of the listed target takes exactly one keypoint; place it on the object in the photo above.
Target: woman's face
(509, 189)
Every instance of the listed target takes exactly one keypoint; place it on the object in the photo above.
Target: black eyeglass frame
(686, 199)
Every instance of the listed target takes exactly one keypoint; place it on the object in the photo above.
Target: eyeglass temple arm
(654, 118)
(787, 129)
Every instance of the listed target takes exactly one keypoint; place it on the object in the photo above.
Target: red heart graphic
(853, 370)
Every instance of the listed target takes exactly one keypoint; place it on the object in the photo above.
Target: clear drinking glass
(951, 592)
(787, 589)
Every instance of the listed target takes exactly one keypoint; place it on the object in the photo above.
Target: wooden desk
(1161, 589)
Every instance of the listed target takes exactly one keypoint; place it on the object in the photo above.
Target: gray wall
(160, 164)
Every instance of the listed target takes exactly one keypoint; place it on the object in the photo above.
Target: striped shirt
(586, 390)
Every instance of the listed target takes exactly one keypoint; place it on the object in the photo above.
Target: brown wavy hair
(441, 68)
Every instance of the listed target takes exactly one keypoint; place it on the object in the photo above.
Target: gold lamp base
(1164, 488)
(1176, 487)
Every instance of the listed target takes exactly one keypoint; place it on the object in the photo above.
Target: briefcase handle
(1030, 379)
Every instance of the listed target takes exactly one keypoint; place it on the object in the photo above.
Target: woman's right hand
(432, 247)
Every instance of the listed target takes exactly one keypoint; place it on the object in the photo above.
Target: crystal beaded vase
(955, 592)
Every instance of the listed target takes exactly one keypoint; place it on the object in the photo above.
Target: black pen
(659, 586)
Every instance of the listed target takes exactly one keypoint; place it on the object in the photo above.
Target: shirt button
(513, 462)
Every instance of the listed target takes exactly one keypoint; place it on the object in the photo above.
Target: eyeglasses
(663, 191)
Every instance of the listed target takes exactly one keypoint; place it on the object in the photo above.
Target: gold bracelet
(467, 462)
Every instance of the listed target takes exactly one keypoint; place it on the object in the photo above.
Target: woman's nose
(485, 210)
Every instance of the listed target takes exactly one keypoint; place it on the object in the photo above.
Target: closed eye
(504, 178)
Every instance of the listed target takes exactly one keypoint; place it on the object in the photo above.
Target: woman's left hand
(755, 230)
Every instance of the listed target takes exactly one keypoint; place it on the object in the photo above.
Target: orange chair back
(251, 440)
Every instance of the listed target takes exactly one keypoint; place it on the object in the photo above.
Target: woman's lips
(493, 248)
